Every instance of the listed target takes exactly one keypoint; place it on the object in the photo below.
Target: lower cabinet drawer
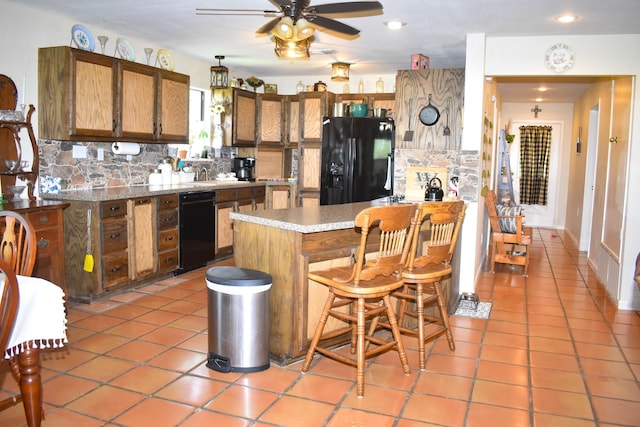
(115, 269)
(168, 239)
(114, 235)
(167, 218)
(168, 261)
(43, 219)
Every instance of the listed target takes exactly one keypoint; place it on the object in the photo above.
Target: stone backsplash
(463, 164)
(56, 160)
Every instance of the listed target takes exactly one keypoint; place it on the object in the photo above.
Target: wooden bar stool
(423, 274)
(365, 288)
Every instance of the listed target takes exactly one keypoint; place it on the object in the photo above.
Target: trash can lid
(236, 276)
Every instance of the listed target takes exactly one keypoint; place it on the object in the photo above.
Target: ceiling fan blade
(331, 24)
(241, 12)
(360, 8)
(282, 3)
(266, 28)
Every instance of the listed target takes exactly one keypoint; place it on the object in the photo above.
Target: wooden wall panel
(446, 87)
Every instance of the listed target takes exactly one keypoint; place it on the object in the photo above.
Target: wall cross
(536, 110)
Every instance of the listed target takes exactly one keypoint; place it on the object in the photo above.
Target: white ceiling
(435, 28)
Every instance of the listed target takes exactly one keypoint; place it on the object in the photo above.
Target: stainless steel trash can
(238, 316)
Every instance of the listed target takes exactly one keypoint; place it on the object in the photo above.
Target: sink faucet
(206, 174)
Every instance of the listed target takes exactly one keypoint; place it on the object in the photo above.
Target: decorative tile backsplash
(56, 160)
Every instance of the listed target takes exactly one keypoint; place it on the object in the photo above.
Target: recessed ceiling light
(566, 19)
(394, 25)
(542, 89)
(538, 99)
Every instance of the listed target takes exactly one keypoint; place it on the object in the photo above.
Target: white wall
(610, 55)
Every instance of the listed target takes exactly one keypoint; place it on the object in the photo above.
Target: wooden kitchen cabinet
(271, 119)
(314, 106)
(168, 233)
(292, 122)
(46, 219)
(142, 212)
(102, 98)
(233, 200)
(243, 127)
(280, 196)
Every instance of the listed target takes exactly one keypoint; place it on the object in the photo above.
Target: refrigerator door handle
(387, 183)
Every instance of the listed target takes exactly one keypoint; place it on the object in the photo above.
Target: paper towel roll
(126, 148)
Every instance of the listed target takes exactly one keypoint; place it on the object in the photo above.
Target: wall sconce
(340, 71)
(219, 75)
(292, 49)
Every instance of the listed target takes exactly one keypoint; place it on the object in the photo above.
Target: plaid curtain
(535, 147)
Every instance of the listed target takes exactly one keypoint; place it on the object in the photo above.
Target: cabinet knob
(613, 139)
(143, 201)
(44, 219)
(114, 208)
(169, 239)
(115, 235)
(43, 243)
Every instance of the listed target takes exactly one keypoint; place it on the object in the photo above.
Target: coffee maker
(245, 168)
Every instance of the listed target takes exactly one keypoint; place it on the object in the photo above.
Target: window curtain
(535, 148)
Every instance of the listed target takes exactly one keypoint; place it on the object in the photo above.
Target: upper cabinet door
(138, 101)
(93, 98)
(270, 119)
(244, 118)
(173, 101)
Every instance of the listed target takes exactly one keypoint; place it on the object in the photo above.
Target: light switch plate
(79, 152)
(100, 153)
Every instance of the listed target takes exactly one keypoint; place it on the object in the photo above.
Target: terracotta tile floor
(555, 352)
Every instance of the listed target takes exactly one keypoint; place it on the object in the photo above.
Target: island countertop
(311, 219)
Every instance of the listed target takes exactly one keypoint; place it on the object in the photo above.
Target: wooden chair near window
(428, 263)
(510, 239)
(17, 257)
(362, 292)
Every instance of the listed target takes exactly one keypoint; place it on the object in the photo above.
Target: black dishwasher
(197, 229)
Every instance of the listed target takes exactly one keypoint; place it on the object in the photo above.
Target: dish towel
(41, 320)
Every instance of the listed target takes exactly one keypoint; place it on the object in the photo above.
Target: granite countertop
(309, 219)
(133, 191)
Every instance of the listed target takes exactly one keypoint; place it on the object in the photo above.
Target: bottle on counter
(166, 170)
(155, 178)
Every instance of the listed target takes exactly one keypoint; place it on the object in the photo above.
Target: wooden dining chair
(510, 239)
(428, 263)
(17, 257)
(18, 244)
(365, 288)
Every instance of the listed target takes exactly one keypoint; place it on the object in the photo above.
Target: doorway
(539, 215)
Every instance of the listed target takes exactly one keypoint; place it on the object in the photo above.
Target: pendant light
(219, 75)
(340, 71)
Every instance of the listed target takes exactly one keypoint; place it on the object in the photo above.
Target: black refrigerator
(357, 159)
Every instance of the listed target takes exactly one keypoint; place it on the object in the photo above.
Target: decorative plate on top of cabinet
(164, 59)
(125, 50)
(82, 37)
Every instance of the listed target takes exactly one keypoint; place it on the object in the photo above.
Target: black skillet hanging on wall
(429, 114)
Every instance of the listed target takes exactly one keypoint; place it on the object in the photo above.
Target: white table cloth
(41, 321)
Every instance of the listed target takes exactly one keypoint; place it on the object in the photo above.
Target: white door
(538, 215)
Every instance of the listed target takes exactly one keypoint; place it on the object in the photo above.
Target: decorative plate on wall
(559, 58)
(83, 38)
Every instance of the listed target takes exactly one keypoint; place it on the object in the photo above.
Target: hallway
(554, 352)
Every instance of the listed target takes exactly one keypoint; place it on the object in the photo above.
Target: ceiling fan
(297, 19)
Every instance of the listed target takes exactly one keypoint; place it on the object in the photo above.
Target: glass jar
(380, 85)
(300, 87)
(361, 86)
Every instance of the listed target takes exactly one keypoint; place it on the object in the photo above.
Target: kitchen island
(288, 244)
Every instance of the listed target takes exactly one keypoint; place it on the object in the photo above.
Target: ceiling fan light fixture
(340, 71)
(284, 28)
(303, 29)
(292, 49)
